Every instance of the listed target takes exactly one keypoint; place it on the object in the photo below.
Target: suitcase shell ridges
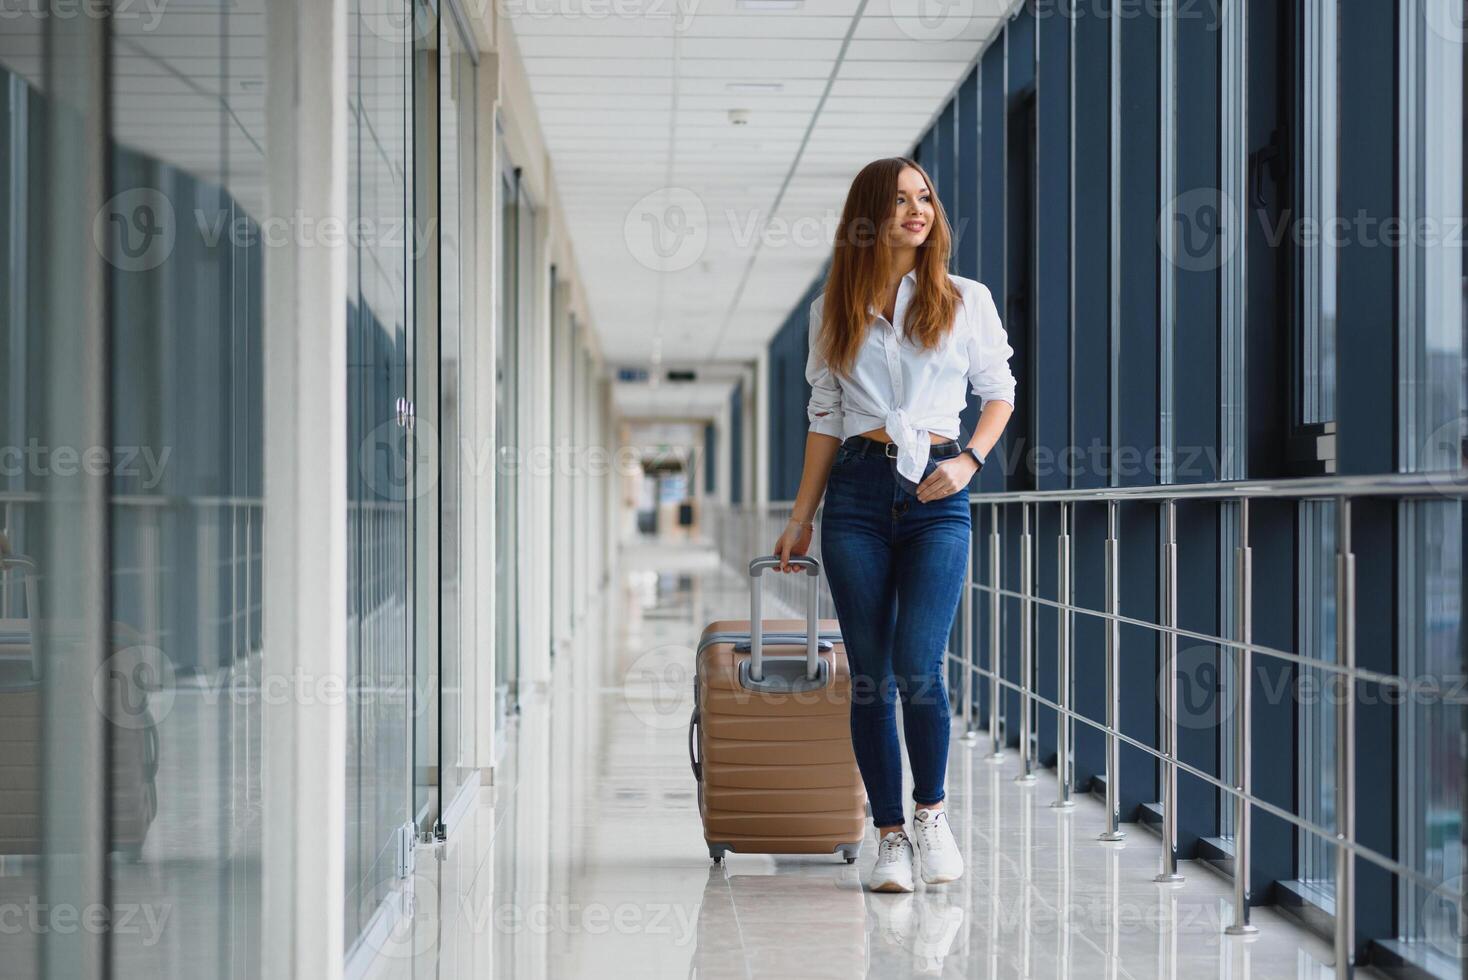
(834, 800)
(736, 776)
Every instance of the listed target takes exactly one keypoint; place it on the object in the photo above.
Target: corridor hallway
(587, 859)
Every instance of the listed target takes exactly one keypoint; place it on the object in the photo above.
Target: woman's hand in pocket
(948, 477)
(794, 540)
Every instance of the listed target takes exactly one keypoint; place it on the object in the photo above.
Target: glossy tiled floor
(587, 858)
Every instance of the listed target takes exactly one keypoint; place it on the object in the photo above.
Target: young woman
(894, 342)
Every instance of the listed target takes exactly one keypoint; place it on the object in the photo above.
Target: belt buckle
(890, 450)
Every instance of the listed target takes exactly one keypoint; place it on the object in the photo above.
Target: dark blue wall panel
(1195, 435)
(1367, 335)
(1090, 391)
(964, 209)
(710, 458)
(789, 394)
(1135, 461)
(991, 212)
(1049, 397)
(736, 443)
(947, 155)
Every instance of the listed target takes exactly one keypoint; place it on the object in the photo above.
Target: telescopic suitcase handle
(756, 624)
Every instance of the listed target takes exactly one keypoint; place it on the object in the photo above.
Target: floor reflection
(588, 860)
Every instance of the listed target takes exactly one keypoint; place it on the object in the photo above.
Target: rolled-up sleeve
(824, 408)
(989, 351)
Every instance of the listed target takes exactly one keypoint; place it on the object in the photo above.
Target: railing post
(1113, 830)
(1244, 622)
(1345, 745)
(969, 666)
(1026, 648)
(1169, 872)
(996, 696)
(1063, 770)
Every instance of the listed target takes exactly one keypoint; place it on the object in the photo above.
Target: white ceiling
(691, 399)
(664, 197)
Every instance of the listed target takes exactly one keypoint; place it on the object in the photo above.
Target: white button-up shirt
(909, 391)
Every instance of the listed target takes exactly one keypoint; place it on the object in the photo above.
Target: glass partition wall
(421, 442)
(187, 152)
(54, 844)
(380, 550)
(132, 451)
(132, 395)
(506, 412)
(458, 203)
(413, 141)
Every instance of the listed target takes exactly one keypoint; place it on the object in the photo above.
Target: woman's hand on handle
(793, 541)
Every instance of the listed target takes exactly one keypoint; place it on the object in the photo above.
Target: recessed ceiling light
(756, 86)
(770, 4)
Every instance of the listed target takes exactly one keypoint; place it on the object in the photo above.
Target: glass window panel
(505, 446)
(1319, 86)
(1316, 719)
(185, 296)
(456, 317)
(52, 840)
(1431, 761)
(379, 673)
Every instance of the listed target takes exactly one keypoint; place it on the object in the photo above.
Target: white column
(567, 467)
(535, 553)
(481, 496)
(611, 486)
(723, 447)
(305, 430)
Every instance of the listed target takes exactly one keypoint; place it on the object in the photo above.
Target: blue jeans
(896, 568)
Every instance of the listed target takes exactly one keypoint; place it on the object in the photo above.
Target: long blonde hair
(861, 265)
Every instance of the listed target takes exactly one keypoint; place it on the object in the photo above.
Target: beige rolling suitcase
(770, 736)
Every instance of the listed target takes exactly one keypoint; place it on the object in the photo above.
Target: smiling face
(912, 211)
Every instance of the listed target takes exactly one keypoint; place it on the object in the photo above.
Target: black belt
(864, 446)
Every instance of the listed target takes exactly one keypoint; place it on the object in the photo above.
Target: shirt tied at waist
(911, 437)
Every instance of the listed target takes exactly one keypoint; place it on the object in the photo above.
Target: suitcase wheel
(851, 859)
(718, 859)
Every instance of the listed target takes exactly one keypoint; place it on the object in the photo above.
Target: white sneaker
(936, 846)
(893, 872)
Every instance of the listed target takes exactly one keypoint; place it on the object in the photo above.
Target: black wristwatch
(978, 460)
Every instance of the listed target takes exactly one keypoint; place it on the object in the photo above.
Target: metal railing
(219, 538)
(1344, 671)
(744, 532)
